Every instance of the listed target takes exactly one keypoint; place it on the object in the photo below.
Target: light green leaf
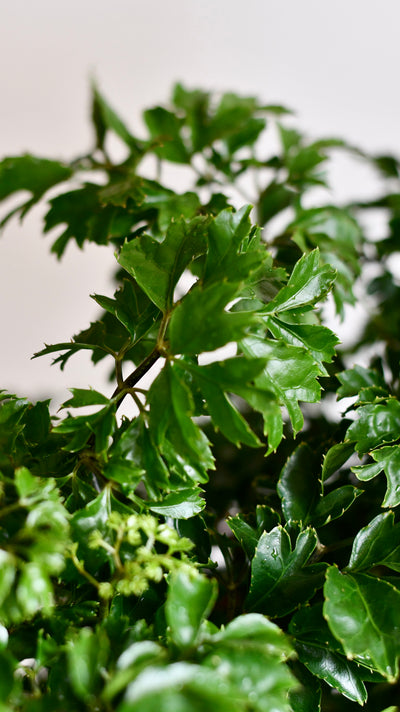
(290, 374)
(363, 613)
(282, 578)
(157, 266)
(201, 322)
(179, 505)
(308, 284)
(190, 599)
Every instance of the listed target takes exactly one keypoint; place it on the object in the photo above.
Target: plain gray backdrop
(335, 63)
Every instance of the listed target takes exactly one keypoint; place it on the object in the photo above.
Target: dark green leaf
(376, 425)
(282, 578)
(83, 396)
(377, 544)
(132, 308)
(356, 379)
(298, 486)
(105, 118)
(165, 127)
(336, 456)
(275, 198)
(248, 532)
(334, 504)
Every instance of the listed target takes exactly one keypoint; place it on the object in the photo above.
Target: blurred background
(335, 64)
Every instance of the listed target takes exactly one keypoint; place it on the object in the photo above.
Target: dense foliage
(227, 547)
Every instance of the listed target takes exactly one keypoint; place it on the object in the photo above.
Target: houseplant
(231, 545)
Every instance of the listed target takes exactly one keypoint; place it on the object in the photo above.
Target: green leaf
(255, 631)
(306, 698)
(308, 284)
(86, 656)
(34, 591)
(336, 456)
(190, 599)
(248, 532)
(358, 378)
(363, 613)
(201, 322)
(321, 653)
(298, 485)
(387, 459)
(178, 687)
(334, 504)
(318, 340)
(132, 308)
(290, 374)
(179, 505)
(157, 266)
(378, 543)
(375, 425)
(7, 666)
(175, 422)
(282, 578)
(36, 175)
(225, 235)
(83, 397)
(165, 128)
(273, 199)
(215, 381)
(105, 119)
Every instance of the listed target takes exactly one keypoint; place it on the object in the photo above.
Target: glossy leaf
(281, 577)
(248, 532)
(355, 379)
(318, 340)
(287, 367)
(378, 543)
(336, 456)
(183, 504)
(298, 485)
(356, 617)
(376, 425)
(307, 284)
(132, 308)
(190, 599)
(157, 266)
(387, 459)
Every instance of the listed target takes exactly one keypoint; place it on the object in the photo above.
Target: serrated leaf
(175, 422)
(318, 340)
(200, 322)
(363, 613)
(387, 459)
(83, 397)
(32, 174)
(321, 653)
(290, 374)
(183, 504)
(225, 234)
(282, 578)
(157, 266)
(336, 456)
(105, 119)
(356, 379)
(298, 485)
(334, 504)
(376, 425)
(248, 532)
(190, 599)
(132, 308)
(308, 284)
(378, 543)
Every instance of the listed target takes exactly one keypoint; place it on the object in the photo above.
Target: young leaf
(367, 630)
(190, 599)
(282, 578)
(308, 284)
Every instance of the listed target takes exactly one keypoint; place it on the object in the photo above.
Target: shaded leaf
(377, 543)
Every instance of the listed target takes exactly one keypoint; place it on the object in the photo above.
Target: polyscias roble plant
(232, 545)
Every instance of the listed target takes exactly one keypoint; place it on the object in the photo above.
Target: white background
(335, 63)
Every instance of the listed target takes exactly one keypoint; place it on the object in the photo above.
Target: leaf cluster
(231, 540)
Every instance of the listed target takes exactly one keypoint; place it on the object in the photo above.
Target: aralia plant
(230, 544)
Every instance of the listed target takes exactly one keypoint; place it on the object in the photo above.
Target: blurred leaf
(190, 599)
(165, 128)
(105, 119)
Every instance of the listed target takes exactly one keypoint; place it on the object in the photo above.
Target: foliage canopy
(231, 545)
